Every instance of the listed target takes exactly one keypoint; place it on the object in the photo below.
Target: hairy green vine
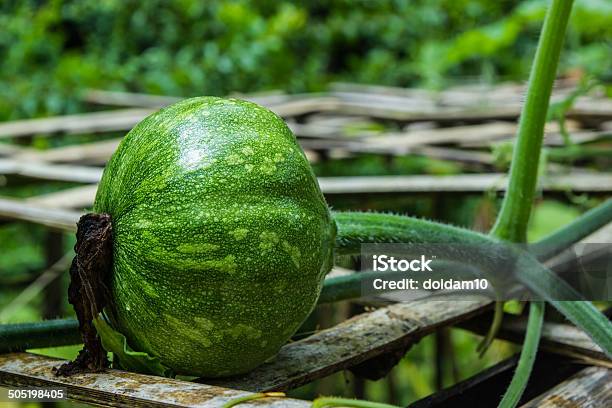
(528, 355)
(512, 221)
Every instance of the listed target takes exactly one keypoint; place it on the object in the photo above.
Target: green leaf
(128, 359)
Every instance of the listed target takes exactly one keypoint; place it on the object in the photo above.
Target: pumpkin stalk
(88, 290)
(512, 220)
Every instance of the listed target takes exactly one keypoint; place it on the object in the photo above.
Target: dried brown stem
(88, 291)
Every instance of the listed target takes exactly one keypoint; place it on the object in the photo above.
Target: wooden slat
(108, 121)
(589, 388)
(305, 106)
(418, 107)
(563, 339)
(82, 197)
(7, 150)
(127, 99)
(123, 389)
(551, 139)
(482, 135)
(468, 103)
(132, 99)
(460, 155)
(125, 119)
(558, 338)
(449, 115)
(598, 182)
(452, 115)
(354, 341)
(94, 152)
(71, 198)
(459, 134)
(57, 219)
(36, 209)
(456, 95)
(99, 152)
(44, 171)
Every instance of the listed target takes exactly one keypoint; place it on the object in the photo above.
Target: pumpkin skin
(221, 236)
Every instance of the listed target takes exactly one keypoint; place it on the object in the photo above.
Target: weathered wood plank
(83, 197)
(56, 219)
(476, 103)
(98, 153)
(456, 95)
(127, 99)
(7, 150)
(596, 182)
(94, 152)
(354, 341)
(487, 132)
(589, 388)
(96, 122)
(134, 99)
(125, 119)
(452, 154)
(558, 338)
(71, 198)
(45, 171)
(305, 106)
(412, 105)
(553, 139)
(449, 115)
(481, 135)
(460, 95)
(600, 182)
(123, 389)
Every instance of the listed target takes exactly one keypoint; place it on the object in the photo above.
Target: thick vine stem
(513, 218)
(357, 228)
(483, 252)
(511, 223)
(88, 291)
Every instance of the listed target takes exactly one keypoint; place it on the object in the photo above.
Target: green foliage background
(52, 49)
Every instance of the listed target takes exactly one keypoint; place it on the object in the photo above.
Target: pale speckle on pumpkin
(240, 233)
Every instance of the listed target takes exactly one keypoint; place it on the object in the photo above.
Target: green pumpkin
(221, 236)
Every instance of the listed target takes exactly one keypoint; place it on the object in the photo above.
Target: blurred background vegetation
(53, 50)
